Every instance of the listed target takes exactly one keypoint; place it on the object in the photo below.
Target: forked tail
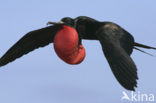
(143, 46)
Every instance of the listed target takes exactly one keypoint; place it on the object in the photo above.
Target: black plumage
(117, 45)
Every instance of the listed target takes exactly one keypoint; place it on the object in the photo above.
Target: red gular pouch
(67, 47)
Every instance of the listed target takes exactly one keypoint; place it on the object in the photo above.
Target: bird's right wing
(119, 60)
(29, 42)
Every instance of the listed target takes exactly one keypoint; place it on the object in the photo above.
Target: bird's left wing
(114, 48)
(29, 42)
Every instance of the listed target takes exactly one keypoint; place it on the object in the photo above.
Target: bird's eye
(68, 21)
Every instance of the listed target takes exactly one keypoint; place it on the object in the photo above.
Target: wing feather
(113, 45)
(29, 42)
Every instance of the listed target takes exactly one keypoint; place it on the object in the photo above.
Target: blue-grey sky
(41, 77)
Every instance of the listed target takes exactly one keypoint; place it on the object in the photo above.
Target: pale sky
(41, 77)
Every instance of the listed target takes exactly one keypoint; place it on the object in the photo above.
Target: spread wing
(117, 45)
(29, 42)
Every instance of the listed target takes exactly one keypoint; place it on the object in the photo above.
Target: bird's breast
(67, 47)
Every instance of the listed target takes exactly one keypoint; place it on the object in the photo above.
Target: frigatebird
(117, 45)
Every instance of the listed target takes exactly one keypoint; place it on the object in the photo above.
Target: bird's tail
(143, 46)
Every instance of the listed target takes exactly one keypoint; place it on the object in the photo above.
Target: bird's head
(64, 21)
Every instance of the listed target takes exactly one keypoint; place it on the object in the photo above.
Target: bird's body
(117, 45)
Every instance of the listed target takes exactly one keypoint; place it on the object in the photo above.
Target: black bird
(117, 45)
